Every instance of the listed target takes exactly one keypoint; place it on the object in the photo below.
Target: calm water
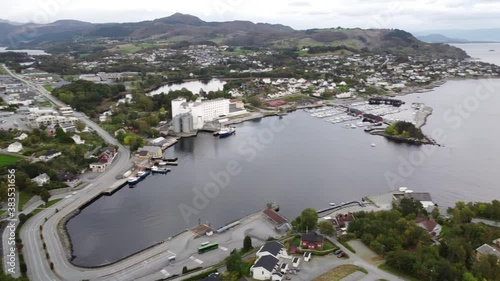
(299, 162)
(482, 51)
(193, 86)
(30, 52)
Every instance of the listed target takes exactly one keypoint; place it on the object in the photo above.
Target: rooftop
(267, 262)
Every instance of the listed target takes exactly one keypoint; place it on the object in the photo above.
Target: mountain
(439, 38)
(10, 22)
(63, 35)
(469, 35)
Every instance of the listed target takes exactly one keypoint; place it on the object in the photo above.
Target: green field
(48, 88)
(7, 159)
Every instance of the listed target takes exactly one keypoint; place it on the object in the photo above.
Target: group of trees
(307, 221)
(405, 129)
(408, 248)
(86, 96)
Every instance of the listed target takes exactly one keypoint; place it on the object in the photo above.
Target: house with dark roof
(312, 241)
(430, 225)
(272, 248)
(264, 267)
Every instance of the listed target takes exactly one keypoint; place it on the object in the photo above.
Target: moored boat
(226, 132)
(133, 180)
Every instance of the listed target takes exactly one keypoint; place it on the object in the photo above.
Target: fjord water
(299, 162)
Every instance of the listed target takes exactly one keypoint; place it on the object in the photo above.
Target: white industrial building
(201, 111)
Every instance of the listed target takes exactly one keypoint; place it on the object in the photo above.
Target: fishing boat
(159, 170)
(226, 132)
(133, 180)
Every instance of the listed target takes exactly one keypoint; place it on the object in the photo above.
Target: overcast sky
(412, 15)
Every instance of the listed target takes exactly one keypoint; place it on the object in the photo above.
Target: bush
(23, 267)
(184, 270)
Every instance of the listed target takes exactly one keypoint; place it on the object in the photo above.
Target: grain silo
(177, 124)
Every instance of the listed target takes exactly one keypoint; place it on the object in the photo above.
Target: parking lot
(317, 266)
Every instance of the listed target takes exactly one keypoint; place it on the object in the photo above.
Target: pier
(114, 187)
(333, 208)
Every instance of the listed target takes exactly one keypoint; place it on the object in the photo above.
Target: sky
(411, 15)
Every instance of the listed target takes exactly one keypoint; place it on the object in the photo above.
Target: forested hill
(181, 27)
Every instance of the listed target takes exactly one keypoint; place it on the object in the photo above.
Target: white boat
(332, 204)
(403, 189)
(133, 180)
(353, 126)
(162, 163)
(372, 145)
(141, 174)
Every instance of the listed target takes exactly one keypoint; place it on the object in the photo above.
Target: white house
(49, 155)
(98, 167)
(15, 147)
(78, 139)
(272, 248)
(42, 179)
(21, 136)
(264, 267)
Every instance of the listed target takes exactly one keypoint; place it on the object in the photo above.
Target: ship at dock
(226, 132)
(159, 170)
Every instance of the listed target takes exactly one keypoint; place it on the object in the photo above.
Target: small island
(403, 131)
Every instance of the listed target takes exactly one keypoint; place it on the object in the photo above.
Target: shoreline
(235, 122)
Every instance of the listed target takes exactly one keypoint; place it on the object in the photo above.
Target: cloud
(299, 4)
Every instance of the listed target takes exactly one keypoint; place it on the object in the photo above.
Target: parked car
(341, 255)
(296, 262)
(307, 256)
(338, 251)
(284, 268)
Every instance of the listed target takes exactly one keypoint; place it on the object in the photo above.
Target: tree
(80, 126)
(45, 195)
(326, 228)
(234, 262)
(247, 244)
(435, 213)
(184, 270)
(307, 221)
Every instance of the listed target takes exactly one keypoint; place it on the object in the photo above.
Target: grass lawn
(297, 97)
(2, 212)
(24, 197)
(48, 88)
(7, 160)
(44, 206)
(339, 272)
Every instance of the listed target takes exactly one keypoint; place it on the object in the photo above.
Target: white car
(296, 262)
(307, 256)
(284, 268)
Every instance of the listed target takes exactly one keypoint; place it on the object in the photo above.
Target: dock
(115, 187)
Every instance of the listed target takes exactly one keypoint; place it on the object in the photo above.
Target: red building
(312, 241)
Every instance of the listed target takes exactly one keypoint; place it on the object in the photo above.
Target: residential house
(343, 220)
(264, 267)
(152, 151)
(430, 225)
(21, 137)
(312, 241)
(496, 242)
(272, 248)
(103, 160)
(486, 250)
(98, 167)
(15, 147)
(42, 179)
(49, 155)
